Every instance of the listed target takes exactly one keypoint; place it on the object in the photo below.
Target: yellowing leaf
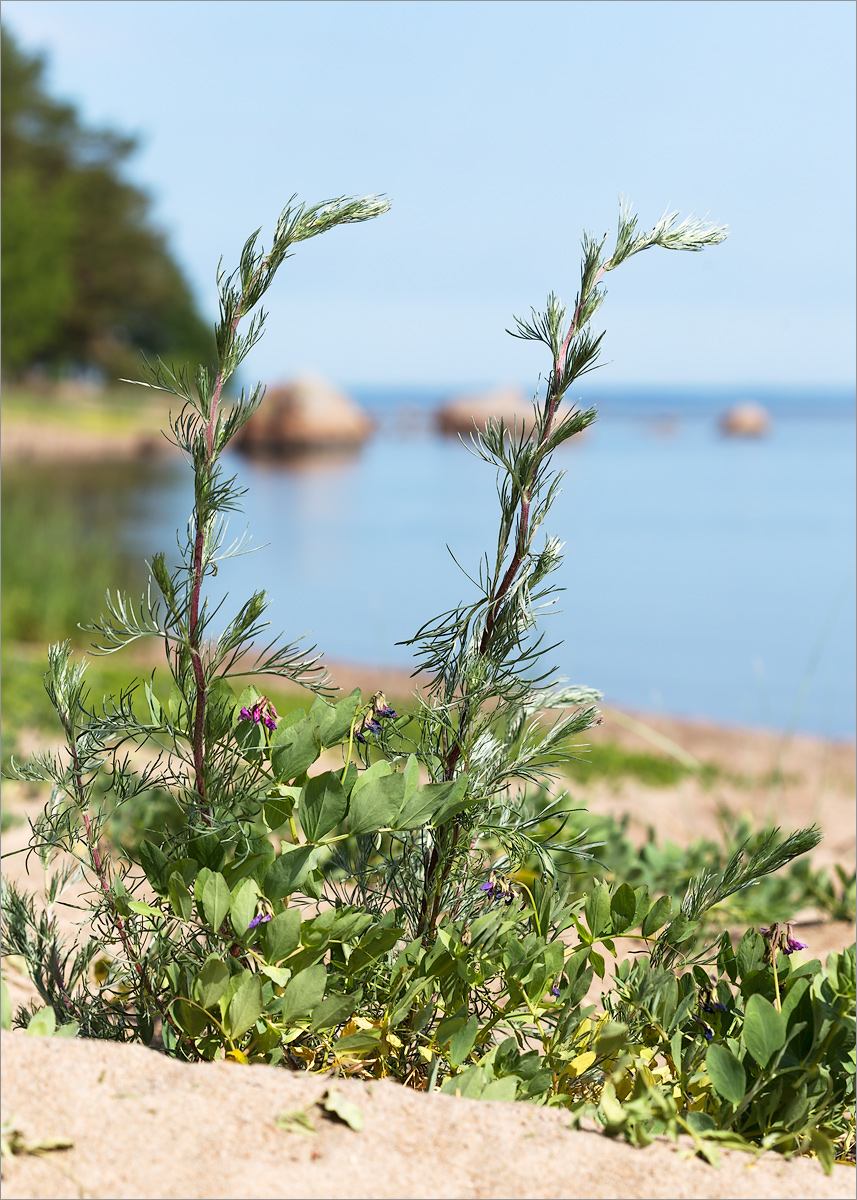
(581, 1063)
(101, 970)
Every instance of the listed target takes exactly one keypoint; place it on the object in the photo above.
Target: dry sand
(145, 1126)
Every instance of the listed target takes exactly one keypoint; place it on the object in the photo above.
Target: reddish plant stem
(198, 673)
(201, 698)
(453, 754)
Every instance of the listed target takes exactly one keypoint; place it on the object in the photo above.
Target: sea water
(703, 575)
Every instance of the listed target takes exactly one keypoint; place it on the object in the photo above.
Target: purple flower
(555, 989)
(780, 937)
(262, 711)
(498, 889)
(263, 914)
(381, 708)
(367, 725)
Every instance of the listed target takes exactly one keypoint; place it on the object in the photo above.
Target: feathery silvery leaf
(123, 624)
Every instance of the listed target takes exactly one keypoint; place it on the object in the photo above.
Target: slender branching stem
(102, 873)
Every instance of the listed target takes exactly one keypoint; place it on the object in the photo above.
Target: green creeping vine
(383, 917)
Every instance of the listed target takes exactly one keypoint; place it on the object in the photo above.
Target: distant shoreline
(28, 442)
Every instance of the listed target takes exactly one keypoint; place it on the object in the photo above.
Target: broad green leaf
(795, 994)
(764, 1029)
(349, 926)
(727, 1073)
(278, 975)
(180, 898)
(232, 987)
(376, 771)
(701, 1122)
(280, 807)
(623, 906)
(289, 870)
(143, 909)
(154, 862)
(450, 1026)
(304, 992)
(207, 850)
(456, 802)
(657, 916)
(597, 909)
(375, 804)
(282, 935)
(680, 929)
(411, 773)
(334, 1010)
(42, 1023)
(597, 963)
(70, 1030)
(253, 866)
(190, 1018)
(463, 1042)
(364, 1042)
(5, 1007)
(186, 868)
(294, 748)
(345, 1110)
(468, 1084)
(199, 884)
(215, 900)
(211, 982)
(750, 953)
(427, 801)
(242, 907)
(333, 722)
(501, 1089)
(245, 1007)
(642, 904)
(322, 805)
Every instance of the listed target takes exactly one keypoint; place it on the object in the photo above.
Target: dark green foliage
(761, 1056)
(87, 280)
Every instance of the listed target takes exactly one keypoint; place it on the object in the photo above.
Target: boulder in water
(458, 415)
(746, 419)
(306, 414)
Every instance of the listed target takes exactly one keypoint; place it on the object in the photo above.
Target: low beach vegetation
(377, 886)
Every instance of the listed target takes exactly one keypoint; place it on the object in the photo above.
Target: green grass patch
(117, 411)
(612, 762)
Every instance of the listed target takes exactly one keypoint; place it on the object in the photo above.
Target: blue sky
(500, 130)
